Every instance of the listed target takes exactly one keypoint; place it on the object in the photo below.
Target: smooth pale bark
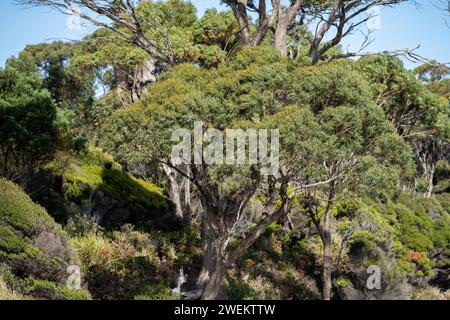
(284, 18)
(428, 153)
(134, 82)
(180, 194)
(279, 22)
(430, 183)
(430, 180)
(144, 74)
(281, 39)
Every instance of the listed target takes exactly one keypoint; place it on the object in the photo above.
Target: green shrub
(414, 229)
(238, 290)
(97, 183)
(8, 294)
(342, 282)
(119, 266)
(156, 292)
(43, 289)
(31, 243)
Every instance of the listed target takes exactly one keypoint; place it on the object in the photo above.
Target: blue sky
(403, 27)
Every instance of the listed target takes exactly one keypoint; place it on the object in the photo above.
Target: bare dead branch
(409, 54)
(124, 21)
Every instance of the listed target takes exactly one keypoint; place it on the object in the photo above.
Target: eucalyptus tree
(125, 19)
(361, 152)
(165, 30)
(139, 24)
(339, 19)
(225, 191)
(278, 22)
(211, 101)
(330, 22)
(419, 116)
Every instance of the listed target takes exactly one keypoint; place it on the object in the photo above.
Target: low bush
(31, 243)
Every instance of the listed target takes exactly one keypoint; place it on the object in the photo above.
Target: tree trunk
(281, 39)
(430, 178)
(214, 288)
(326, 272)
(326, 239)
(122, 80)
(144, 74)
(215, 231)
(314, 55)
(180, 194)
(212, 274)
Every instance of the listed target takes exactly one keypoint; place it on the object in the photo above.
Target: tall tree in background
(136, 23)
(127, 19)
(338, 19)
(361, 151)
(28, 125)
(333, 20)
(69, 87)
(418, 115)
(279, 21)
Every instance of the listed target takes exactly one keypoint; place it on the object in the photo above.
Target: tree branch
(126, 23)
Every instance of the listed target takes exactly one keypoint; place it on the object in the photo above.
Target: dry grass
(7, 294)
(431, 293)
